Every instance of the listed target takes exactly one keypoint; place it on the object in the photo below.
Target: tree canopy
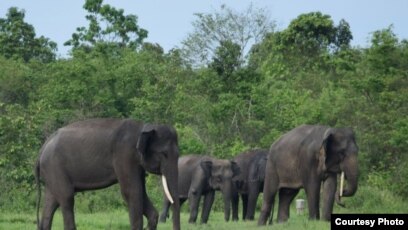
(18, 39)
(108, 26)
(212, 29)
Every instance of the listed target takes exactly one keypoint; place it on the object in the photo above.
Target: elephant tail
(37, 180)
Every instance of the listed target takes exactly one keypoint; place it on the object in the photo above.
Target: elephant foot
(152, 226)
(262, 219)
(163, 218)
(152, 222)
(249, 218)
(191, 221)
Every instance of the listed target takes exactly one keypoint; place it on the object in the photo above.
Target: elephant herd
(97, 153)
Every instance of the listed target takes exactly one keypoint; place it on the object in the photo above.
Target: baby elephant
(249, 183)
(201, 176)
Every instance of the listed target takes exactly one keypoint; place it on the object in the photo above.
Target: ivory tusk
(341, 183)
(166, 189)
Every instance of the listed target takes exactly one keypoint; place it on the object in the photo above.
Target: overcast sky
(169, 21)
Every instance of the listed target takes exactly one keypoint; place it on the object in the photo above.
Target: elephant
(201, 176)
(306, 157)
(249, 183)
(97, 153)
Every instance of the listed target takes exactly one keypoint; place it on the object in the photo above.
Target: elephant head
(221, 173)
(158, 149)
(339, 154)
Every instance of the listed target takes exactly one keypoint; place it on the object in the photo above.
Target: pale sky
(169, 21)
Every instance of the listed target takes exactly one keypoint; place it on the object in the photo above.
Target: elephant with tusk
(97, 153)
(306, 157)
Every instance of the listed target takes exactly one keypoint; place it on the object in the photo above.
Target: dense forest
(234, 83)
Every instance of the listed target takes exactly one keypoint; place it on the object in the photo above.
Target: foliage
(306, 73)
(15, 86)
(189, 141)
(212, 29)
(108, 27)
(18, 39)
(314, 31)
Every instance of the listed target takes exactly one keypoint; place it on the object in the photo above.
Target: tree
(380, 81)
(119, 31)
(343, 35)
(212, 29)
(18, 39)
(307, 43)
(384, 55)
(310, 32)
(15, 82)
(226, 61)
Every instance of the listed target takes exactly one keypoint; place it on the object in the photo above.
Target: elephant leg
(50, 206)
(67, 209)
(165, 211)
(64, 193)
(193, 200)
(286, 197)
(235, 203)
(132, 191)
(150, 212)
(252, 198)
(313, 198)
(244, 198)
(207, 204)
(166, 206)
(329, 191)
(271, 185)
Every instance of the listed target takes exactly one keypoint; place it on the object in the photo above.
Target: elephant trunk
(171, 176)
(227, 194)
(350, 168)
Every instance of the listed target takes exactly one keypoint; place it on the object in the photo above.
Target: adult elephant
(202, 176)
(97, 153)
(305, 157)
(249, 183)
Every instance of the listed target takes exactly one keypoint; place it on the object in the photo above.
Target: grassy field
(119, 220)
(367, 200)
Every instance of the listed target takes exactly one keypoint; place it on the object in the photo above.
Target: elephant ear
(260, 169)
(235, 169)
(322, 155)
(144, 139)
(206, 165)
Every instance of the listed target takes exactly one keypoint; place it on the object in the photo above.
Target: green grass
(368, 199)
(119, 220)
